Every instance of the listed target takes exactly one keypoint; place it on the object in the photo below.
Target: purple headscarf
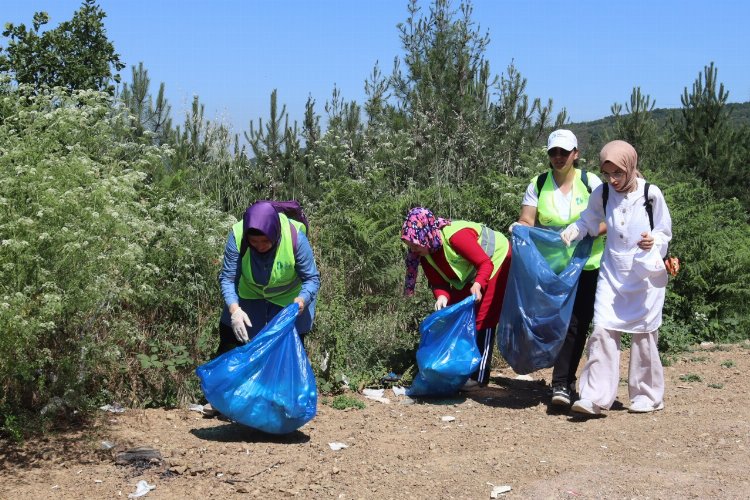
(262, 216)
(421, 228)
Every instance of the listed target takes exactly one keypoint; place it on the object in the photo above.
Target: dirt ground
(502, 435)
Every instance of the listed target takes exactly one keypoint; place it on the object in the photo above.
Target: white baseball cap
(562, 139)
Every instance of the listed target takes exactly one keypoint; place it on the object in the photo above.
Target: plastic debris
(337, 446)
(398, 390)
(113, 408)
(107, 445)
(141, 488)
(375, 394)
(447, 418)
(524, 377)
(196, 407)
(497, 491)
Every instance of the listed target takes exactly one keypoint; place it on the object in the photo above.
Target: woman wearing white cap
(631, 288)
(553, 202)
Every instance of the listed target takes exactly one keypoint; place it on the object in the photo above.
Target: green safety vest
(547, 216)
(494, 244)
(283, 284)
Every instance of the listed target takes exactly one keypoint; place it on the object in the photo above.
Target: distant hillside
(592, 132)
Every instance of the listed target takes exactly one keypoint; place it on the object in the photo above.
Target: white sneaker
(586, 407)
(470, 385)
(645, 406)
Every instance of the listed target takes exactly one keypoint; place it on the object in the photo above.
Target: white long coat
(625, 301)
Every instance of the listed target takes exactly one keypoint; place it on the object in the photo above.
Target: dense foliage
(113, 220)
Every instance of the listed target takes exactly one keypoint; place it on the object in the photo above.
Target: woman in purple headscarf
(268, 264)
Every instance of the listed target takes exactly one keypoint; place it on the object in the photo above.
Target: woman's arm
(229, 272)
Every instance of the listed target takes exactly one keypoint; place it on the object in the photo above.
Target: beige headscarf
(624, 156)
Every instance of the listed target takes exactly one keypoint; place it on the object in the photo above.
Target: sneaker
(560, 396)
(470, 385)
(586, 406)
(209, 411)
(645, 406)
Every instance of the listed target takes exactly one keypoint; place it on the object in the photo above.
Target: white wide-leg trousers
(601, 373)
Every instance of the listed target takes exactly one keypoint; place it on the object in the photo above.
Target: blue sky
(585, 55)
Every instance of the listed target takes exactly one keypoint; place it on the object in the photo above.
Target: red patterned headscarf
(421, 228)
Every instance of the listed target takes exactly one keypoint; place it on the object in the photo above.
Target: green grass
(691, 377)
(716, 386)
(728, 363)
(344, 401)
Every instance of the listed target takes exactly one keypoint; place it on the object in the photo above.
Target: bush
(98, 265)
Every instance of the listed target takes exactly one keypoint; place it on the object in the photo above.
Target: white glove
(239, 320)
(441, 302)
(510, 228)
(569, 234)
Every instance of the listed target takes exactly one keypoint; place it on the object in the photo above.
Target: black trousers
(564, 370)
(227, 340)
(485, 341)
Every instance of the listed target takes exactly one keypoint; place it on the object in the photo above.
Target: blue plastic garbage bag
(447, 354)
(268, 383)
(539, 297)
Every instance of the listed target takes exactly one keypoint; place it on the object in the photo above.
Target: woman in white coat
(631, 287)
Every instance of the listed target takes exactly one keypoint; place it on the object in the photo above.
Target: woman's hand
(647, 242)
(301, 303)
(240, 322)
(441, 302)
(476, 291)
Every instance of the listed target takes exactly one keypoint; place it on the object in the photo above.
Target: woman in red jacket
(460, 258)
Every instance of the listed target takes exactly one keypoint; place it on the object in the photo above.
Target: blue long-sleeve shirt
(261, 311)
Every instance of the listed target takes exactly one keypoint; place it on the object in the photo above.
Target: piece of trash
(196, 407)
(337, 446)
(390, 378)
(141, 488)
(447, 418)
(524, 377)
(707, 344)
(113, 408)
(499, 490)
(98, 481)
(107, 445)
(407, 401)
(398, 390)
(375, 394)
(55, 487)
(572, 493)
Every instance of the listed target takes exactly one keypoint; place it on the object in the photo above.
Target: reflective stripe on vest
(283, 283)
(494, 244)
(547, 216)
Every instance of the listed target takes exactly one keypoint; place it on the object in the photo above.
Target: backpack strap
(543, 178)
(585, 180)
(540, 180)
(649, 208)
(605, 197)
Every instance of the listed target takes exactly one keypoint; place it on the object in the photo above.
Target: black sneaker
(560, 395)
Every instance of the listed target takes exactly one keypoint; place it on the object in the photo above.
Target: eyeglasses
(558, 152)
(619, 175)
